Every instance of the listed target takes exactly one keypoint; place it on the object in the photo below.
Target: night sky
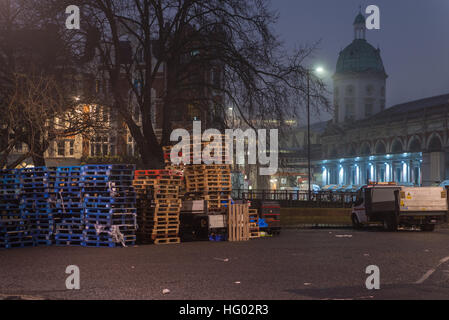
(413, 38)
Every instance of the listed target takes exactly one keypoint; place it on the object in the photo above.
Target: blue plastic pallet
(17, 245)
(109, 167)
(69, 237)
(72, 208)
(125, 219)
(111, 206)
(73, 243)
(71, 221)
(43, 242)
(69, 196)
(106, 211)
(98, 244)
(75, 169)
(69, 232)
(7, 206)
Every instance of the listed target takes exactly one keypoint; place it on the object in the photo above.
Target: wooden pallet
(254, 234)
(238, 222)
(163, 220)
(167, 240)
(254, 226)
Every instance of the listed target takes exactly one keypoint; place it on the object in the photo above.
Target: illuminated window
(61, 148)
(72, 147)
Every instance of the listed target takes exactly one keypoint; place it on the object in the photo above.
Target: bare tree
(37, 77)
(218, 54)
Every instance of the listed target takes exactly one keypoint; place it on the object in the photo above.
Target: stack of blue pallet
(38, 200)
(69, 210)
(14, 230)
(109, 204)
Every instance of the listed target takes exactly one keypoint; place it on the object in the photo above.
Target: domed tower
(360, 78)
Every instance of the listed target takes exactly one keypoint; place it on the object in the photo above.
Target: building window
(350, 111)
(382, 105)
(369, 90)
(100, 147)
(382, 91)
(105, 115)
(350, 90)
(61, 148)
(368, 110)
(72, 147)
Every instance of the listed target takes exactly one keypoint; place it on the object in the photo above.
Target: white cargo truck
(395, 206)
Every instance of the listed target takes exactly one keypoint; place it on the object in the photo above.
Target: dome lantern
(359, 26)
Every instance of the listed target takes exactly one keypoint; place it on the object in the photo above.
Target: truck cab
(392, 206)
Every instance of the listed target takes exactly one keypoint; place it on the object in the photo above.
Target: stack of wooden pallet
(205, 182)
(211, 183)
(214, 150)
(253, 224)
(158, 205)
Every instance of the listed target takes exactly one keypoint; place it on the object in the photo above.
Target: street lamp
(318, 70)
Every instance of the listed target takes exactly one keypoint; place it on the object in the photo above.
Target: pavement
(297, 265)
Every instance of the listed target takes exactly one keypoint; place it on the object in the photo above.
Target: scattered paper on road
(221, 259)
(165, 291)
(343, 235)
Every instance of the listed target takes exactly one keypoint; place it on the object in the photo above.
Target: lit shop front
(402, 168)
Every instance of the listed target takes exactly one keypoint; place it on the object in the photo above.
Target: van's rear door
(423, 201)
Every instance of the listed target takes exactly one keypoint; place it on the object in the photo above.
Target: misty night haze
(222, 159)
(413, 39)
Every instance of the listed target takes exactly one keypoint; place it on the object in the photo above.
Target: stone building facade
(407, 143)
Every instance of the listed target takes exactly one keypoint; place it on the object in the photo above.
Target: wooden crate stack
(206, 182)
(211, 183)
(218, 147)
(254, 231)
(158, 205)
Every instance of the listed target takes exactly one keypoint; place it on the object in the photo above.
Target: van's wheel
(427, 227)
(389, 224)
(355, 222)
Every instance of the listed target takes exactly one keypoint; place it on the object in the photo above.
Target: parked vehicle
(313, 187)
(353, 188)
(340, 188)
(328, 187)
(445, 183)
(395, 206)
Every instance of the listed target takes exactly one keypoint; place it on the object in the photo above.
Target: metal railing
(299, 198)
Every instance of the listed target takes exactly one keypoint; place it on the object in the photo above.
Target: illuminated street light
(318, 70)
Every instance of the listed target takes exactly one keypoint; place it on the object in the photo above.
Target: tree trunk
(38, 159)
(152, 156)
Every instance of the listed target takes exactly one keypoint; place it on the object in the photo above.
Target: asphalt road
(300, 264)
